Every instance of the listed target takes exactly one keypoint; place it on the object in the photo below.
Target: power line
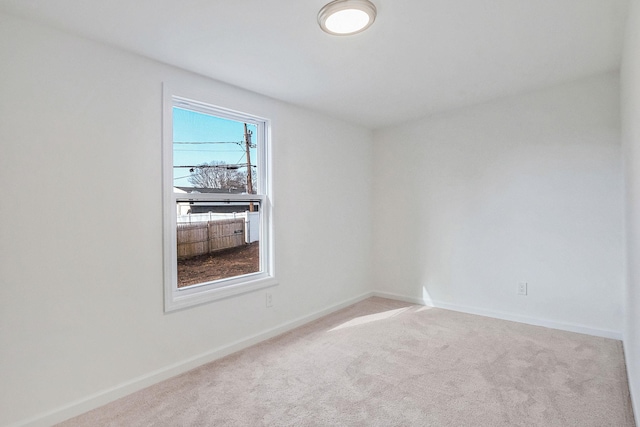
(209, 142)
(209, 151)
(182, 177)
(224, 166)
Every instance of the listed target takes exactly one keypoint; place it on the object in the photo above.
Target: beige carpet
(388, 363)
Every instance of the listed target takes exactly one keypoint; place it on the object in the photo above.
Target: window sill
(183, 298)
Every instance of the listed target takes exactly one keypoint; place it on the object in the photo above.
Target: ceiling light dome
(344, 17)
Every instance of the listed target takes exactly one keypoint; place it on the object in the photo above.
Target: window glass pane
(217, 216)
(213, 154)
(216, 240)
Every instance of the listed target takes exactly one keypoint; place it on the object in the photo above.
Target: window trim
(178, 298)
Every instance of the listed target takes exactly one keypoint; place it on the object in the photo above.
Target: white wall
(81, 291)
(527, 188)
(630, 76)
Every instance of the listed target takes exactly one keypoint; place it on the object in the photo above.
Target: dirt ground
(219, 265)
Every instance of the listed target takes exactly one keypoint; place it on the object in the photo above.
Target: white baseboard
(570, 327)
(631, 372)
(106, 396)
(109, 395)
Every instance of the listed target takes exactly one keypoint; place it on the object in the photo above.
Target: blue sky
(213, 138)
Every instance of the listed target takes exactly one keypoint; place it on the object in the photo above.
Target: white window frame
(179, 298)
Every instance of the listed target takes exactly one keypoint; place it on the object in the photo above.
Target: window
(216, 198)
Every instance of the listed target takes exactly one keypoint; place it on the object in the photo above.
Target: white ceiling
(420, 56)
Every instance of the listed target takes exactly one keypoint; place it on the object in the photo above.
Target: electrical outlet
(269, 299)
(522, 288)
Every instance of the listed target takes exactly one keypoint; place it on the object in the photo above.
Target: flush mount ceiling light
(345, 17)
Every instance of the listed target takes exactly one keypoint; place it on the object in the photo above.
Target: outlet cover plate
(522, 288)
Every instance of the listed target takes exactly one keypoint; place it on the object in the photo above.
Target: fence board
(211, 236)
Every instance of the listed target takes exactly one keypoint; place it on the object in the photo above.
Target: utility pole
(247, 144)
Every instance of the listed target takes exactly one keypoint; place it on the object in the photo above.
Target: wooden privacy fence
(205, 237)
